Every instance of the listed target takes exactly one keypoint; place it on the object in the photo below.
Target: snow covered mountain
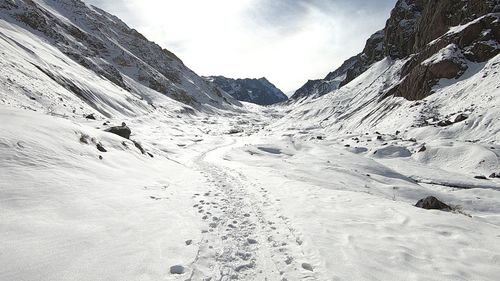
(420, 29)
(456, 59)
(259, 91)
(95, 60)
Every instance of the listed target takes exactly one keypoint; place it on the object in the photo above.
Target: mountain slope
(419, 28)
(258, 91)
(83, 41)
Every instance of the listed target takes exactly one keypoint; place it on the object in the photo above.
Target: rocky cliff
(436, 37)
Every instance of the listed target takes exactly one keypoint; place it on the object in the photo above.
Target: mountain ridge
(254, 90)
(408, 31)
(105, 45)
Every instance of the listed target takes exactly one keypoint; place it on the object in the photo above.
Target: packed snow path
(246, 236)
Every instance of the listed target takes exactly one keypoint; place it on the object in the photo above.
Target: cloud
(288, 41)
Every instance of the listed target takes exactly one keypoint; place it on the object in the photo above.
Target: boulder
(432, 203)
(307, 266)
(122, 131)
(90, 116)
(461, 117)
(101, 148)
(177, 269)
(481, 177)
(444, 123)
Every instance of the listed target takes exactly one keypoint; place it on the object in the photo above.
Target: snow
(450, 52)
(323, 189)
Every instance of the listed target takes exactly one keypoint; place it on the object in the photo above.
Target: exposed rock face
(401, 28)
(105, 45)
(122, 131)
(258, 91)
(419, 30)
(432, 203)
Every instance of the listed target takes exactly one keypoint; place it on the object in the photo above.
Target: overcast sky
(287, 41)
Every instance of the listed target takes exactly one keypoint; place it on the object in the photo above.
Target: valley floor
(235, 198)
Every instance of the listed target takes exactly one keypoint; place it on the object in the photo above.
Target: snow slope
(67, 215)
(58, 42)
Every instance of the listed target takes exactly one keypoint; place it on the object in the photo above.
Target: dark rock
(461, 117)
(307, 267)
(151, 155)
(422, 149)
(413, 140)
(122, 131)
(444, 123)
(251, 241)
(495, 175)
(177, 269)
(189, 242)
(433, 203)
(481, 177)
(101, 148)
(100, 157)
(235, 131)
(90, 117)
(139, 146)
(379, 138)
(319, 137)
(347, 145)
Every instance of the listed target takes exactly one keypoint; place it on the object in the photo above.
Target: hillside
(421, 29)
(72, 58)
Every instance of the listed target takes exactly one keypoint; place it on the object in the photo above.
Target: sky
(286, 41)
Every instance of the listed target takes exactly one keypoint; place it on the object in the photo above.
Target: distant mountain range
(259, 91)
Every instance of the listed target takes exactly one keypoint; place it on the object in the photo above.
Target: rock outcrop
(432, 203)
(122, 131)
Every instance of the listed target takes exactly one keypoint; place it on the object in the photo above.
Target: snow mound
(391, 151)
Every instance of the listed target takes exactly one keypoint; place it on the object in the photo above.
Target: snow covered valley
(258, 204)
(118, 162)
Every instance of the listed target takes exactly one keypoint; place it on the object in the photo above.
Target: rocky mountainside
(259, 91)
(421, 31)
(85, 38)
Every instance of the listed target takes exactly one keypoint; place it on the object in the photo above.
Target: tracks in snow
(246, 237)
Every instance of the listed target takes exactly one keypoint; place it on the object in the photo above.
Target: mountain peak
(255, 90)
